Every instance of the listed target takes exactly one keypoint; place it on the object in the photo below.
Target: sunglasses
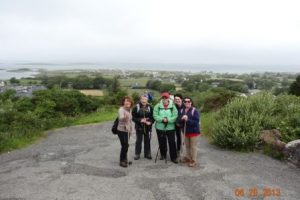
(187, 101)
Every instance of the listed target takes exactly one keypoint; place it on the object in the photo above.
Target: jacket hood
(161, 105)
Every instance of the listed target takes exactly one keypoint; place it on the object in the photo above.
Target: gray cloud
(211, 32)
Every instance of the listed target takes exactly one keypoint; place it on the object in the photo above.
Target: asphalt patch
(92, 171)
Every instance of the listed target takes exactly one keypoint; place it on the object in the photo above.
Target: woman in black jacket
(142, 115)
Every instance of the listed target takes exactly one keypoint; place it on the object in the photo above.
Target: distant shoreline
(159, 67)
(20, 70)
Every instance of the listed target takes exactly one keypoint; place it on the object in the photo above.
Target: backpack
(114, 128)
(193, 111)
(138, 108)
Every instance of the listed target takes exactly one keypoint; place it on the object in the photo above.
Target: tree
(167, 87)
(99, 82)
(8, 95)
(188, 86)
(136, 97)
(83, 82)
(115, 86)
(153, 84)
(13, 80)
(295, 87)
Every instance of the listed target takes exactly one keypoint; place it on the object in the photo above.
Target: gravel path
(82, 163)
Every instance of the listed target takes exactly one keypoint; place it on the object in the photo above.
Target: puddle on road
(92, 171)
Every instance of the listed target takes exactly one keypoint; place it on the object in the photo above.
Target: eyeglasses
(187, 101)
(165, 97)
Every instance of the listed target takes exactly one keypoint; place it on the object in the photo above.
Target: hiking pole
(165, 135)
(144, 123)
(182, 135)
(157, 154)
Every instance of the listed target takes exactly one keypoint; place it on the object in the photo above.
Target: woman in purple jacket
(189, 119)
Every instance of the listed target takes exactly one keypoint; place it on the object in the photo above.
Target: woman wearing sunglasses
(189, 119)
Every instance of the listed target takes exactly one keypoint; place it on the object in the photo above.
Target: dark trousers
(138, 144)
(178, 138)
(123, 136)
(163, 136)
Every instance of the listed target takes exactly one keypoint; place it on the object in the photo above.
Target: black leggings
(163, 136)
(123, 136)
(138, 144)
(178, 138)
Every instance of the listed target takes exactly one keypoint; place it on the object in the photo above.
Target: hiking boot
(123, 164)
(162, 157)
(128, 162)
(185, 160)
(192, 163)
(174, 161)
(136, 157)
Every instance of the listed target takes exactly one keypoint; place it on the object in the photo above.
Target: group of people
(176, 122)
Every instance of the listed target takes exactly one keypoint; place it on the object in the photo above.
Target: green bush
(288, 117)
(114, 98)
(136, 97)
(213, 99)
(68, 102)
(240, 122)
(22, 119)
(295, 87)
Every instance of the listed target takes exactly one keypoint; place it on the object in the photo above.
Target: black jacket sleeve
(135, 116)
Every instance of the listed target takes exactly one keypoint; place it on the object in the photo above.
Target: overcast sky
(254, 32)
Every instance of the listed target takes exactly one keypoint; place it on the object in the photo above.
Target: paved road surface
(82, 163)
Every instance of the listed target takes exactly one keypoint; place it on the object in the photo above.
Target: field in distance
(96, 93)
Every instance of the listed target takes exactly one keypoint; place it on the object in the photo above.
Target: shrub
(167, 87)
(241, 121)
(136, 97)
(288, 117)
(114, 98)
(295, 87)
(213, 99)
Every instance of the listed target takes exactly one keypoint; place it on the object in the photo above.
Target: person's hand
(165, 120)
(143, 120)
(148, 123)
(184, 118)
(126, 115)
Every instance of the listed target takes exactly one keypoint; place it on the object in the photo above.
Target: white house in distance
(2, 83)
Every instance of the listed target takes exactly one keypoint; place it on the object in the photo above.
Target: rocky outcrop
(272, 137)
(292, 152)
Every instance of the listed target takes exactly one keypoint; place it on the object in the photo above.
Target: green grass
(141, 91)
(27, 81)
(271, 151)
(207, 123)
(9, 144)
(130, 81)
(96, 117)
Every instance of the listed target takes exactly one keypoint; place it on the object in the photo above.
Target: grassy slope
(20, 142)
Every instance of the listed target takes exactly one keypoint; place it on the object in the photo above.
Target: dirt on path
(82, 163)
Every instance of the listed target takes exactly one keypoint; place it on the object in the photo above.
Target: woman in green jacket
(165, 114)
